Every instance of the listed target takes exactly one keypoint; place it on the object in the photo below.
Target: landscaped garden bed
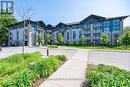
(99, 47)
(107, 76)
(53, 46)
(18, 71)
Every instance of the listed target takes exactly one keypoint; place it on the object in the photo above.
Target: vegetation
(125, 39)
(16, 71)
(104, 40)
(121, 47)
(39, 39)
(60, 39)
(107, 76)
(5, 21)
(126, 29)
(53, 46)
(47, 38)
(82, 40)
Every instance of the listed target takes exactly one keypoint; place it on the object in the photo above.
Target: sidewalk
(71, 74)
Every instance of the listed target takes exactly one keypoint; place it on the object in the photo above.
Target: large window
(80, 34)
(74, 26)
(74, 34)
(106, 23)
(106, 29)
(116, 28)
(116, 22)
(86, 26)
(97, 25)
(17, 34)
(67, 35)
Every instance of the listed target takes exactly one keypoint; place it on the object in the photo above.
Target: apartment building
(92, 28)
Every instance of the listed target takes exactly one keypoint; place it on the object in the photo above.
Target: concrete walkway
(71, 74)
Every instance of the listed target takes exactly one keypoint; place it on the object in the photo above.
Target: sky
(65, 11)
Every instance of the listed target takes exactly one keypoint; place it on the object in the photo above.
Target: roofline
(75, 23)
(123, 17)
(23, 21)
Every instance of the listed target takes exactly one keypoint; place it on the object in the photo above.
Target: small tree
(104, 40)
(5, 21)
(82, 40)
(125, 39)
(39, 39)
(47, 38)
(60, 39)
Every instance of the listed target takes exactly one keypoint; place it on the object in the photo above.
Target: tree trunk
(126, 46)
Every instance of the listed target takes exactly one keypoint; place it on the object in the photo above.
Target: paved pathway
(7, 51)
(71, 74)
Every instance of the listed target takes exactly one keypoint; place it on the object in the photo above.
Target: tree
(126, 29)
(104, 39)
(47, 38)
(60, 39)
(39, 39)
(125, 39)
(82, 40)
(5, 21)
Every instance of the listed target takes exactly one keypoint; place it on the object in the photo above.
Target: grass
(99, 47)
(18, 71)
(107, 76)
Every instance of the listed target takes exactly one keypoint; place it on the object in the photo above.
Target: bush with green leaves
(31, 72)
(62, 57)
(107, 76)
(53, 46)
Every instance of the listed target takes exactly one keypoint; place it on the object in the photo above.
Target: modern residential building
(92, 28)
(25, 29)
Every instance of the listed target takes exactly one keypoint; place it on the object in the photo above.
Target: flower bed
(107, 76)
(24, 71)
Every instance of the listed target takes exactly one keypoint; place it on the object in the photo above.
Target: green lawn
(107, 76)
(18, 71)
(99, 47)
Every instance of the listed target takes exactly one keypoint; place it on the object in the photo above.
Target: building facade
(25, 32)
(92, 28)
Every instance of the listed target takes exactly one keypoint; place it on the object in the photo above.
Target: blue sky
(55, 11)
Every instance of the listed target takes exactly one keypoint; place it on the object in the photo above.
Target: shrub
(53, 46)
(16, 62)
(107, 76)
(33, 71)
(62, 57)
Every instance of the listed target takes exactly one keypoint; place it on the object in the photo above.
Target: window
(86, 26)
(79, 34)
(10, 38)
(26, 37)
(106, 23)
(74, 34)
(17, 34)
(115, 28)
(116, 22)
(67, 35)
(79, 26)
(74, 26)
(106, 29)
